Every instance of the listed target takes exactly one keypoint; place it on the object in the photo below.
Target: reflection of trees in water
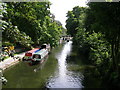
(83, 66)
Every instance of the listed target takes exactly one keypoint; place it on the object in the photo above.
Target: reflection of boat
(41, 65)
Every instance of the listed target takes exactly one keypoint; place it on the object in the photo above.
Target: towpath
(10, 61)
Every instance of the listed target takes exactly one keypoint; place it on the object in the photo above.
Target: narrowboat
(39, 56)
(28, 54)
(40, 52)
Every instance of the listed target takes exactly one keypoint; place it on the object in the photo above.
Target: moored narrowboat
(39, 56)
(29, 54)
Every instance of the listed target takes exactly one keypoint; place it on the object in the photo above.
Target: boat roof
(40, 52)
(37, 50)
(33, 50)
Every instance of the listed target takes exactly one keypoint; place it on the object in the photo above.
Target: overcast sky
(60, 7)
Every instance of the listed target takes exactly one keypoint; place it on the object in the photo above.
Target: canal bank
(55, 72)
(7, 63)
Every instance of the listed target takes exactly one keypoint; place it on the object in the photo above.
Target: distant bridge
(67, 37)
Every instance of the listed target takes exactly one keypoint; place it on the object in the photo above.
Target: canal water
(58, 71)
(64, 78)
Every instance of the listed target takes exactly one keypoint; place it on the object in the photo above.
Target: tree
(108, 23)
(73, 20)
(34, 20)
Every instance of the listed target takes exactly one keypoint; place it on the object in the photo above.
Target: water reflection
(41, 66)
(63, 77)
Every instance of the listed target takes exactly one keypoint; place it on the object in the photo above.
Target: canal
(61, 69)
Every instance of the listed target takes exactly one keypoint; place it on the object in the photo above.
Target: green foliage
(13, 34)
(105, 18)
(74, 20)
(98, 35)
(97, 48)
(7, 44)
(33, 21)
(99, 51)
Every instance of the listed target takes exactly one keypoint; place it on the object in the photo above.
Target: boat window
(36, 56)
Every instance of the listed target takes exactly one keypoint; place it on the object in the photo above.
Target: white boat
(40, 55)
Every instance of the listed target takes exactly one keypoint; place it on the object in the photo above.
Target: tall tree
(106, 20)
(73, 20)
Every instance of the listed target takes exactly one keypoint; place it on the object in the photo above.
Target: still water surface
(53, 73)
(64, 78)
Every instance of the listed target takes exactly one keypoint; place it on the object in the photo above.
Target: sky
(60, 7)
